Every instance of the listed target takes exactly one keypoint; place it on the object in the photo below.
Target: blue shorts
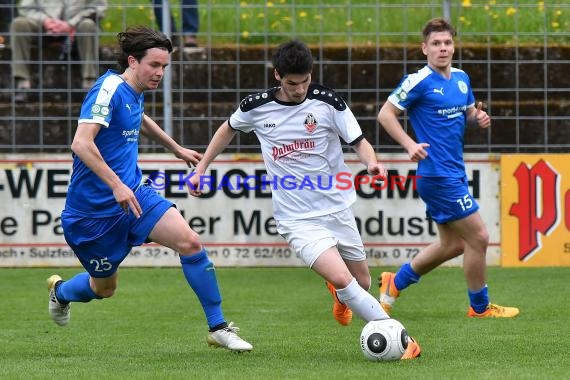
(101, 244)
(446, 199)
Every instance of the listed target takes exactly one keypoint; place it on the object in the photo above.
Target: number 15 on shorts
(466, 203)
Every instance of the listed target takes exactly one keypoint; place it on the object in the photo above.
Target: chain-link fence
(517, 54)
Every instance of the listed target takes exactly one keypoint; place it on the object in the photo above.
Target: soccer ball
(383, 340)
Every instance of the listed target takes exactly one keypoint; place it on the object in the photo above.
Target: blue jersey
(114, 105)
(436, 107)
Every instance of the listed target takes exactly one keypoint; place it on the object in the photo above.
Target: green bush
(368, 22)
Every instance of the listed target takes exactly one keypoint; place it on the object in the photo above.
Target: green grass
(153, 328)
(359, 22)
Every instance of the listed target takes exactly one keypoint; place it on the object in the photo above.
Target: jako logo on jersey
(295, 146)
(310, 123)
(269, 125)
(538, 210)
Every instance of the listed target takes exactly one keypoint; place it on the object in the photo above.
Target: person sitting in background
(75, 20)
(190, 22)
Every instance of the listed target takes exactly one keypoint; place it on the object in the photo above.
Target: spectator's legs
(158, 16)
(190, 17)
(190, 20)
(87, 39)
(23, 31)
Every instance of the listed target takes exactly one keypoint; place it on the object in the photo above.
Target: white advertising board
(235, 222)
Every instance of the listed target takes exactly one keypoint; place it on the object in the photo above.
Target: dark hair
(136, 40)
(437, 25)
(293, 57)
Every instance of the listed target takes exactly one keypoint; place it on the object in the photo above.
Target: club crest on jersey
(310, 123)
(462, 86)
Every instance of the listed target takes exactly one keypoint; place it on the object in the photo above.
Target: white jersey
(301, 149)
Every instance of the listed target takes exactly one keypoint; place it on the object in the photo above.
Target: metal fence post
(167, 80)
(447, 9)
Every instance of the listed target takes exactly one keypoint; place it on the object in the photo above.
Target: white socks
(361, 302)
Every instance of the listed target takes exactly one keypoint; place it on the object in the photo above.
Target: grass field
(153, 328)
(359, 22)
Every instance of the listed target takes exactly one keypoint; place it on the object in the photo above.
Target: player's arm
(152, 130)
(388, 119)
(84, 147)
(219, 142)
(367, 156)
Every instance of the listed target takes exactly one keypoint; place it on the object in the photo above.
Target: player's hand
(418, 152)
(127, 200)
(377, 170)
(482, 119)
(191, 157)
(194, 187)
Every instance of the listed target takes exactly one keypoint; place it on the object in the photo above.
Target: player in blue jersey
(440, 104)
(306, 121)
(109, 210)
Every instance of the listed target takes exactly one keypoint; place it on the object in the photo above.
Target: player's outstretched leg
(59, 312)
(201, 276)
(227, 337)
(341, 312)
(365, 306)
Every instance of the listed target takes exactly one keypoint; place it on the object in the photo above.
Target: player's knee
(190, 244)
(455, 248)
(478, 240)
(341, 280)
(105, 292)
(104, 288)
(364, 282)
(481, 240)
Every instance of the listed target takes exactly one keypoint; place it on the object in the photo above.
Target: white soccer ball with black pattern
(383, 340)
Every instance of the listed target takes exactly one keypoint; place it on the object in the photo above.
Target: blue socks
(76, 289)
(405, 277)
(198, 270)
(201, 276)
(479, 299)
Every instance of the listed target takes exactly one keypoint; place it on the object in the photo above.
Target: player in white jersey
(108, 210)
(440, 103)
(299, 125)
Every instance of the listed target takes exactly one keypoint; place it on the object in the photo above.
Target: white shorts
(312, 236)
